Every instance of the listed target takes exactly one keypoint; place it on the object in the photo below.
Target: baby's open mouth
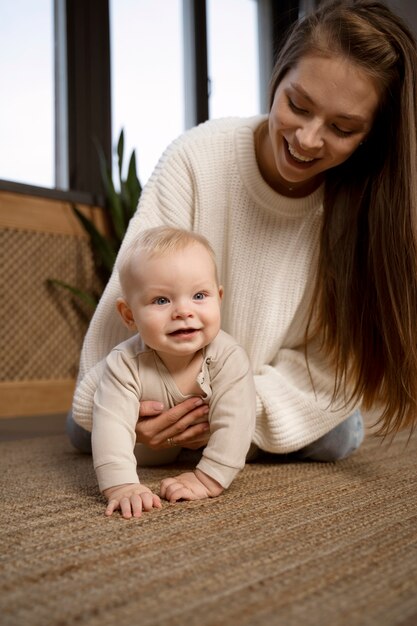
(184, 331)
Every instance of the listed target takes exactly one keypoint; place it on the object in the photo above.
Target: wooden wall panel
(42, 325)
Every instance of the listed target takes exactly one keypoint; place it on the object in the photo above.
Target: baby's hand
(131, 498)
(190, 486)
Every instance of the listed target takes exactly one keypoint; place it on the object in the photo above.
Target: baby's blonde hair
(160, 241)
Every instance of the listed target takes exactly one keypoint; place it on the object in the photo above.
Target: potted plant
(120, 206)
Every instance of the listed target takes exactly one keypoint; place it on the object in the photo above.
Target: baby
(171, 300)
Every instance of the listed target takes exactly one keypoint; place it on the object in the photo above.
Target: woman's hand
(184, 425)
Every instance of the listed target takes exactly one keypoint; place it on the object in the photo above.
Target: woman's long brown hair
(365, 304)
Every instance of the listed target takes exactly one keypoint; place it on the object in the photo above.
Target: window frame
(83, 89)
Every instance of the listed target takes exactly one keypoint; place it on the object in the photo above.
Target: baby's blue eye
(199, 296)
(161, 300)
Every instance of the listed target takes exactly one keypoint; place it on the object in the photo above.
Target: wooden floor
(29, 427)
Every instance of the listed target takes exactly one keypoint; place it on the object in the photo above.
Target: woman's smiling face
(322, 110)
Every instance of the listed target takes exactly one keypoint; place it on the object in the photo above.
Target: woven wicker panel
(42, 325)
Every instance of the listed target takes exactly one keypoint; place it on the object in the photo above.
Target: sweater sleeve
(83, 400)
(115, 413)
(231, 417)
(167, 199)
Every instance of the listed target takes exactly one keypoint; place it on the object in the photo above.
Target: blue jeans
(78, 436)
(335, 445)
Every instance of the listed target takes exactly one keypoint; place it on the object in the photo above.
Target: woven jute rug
(290, 543)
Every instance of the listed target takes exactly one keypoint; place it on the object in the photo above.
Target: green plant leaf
(83, 295)
(120, 150)
(120, 207)
(101, 245)
(114, 204)
(133, 186)
(125, 198)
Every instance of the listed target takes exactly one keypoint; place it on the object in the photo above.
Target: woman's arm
(166, 199)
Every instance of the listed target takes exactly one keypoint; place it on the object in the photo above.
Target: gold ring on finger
(170, 442)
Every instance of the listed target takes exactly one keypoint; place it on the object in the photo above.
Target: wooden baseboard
(35, 397)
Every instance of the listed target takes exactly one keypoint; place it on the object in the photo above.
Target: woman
(312, 213)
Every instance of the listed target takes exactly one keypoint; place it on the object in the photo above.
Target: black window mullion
(89, 93)
(284, 14)
(196, 88)
(201, 61)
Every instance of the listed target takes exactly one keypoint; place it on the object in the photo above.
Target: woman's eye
(342, 133)
(295, 108)
(299, 111)
(161, 300)
(199, 296)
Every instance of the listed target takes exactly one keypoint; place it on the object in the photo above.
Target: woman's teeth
(298, 157)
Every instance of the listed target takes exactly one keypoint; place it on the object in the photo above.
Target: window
(147, 77)
(147, 68)
(158, 80)
(233, 65)
(27, 119)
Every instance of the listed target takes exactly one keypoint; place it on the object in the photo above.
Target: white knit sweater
(266, 246)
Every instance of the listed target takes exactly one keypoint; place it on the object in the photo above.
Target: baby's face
(175, 300)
